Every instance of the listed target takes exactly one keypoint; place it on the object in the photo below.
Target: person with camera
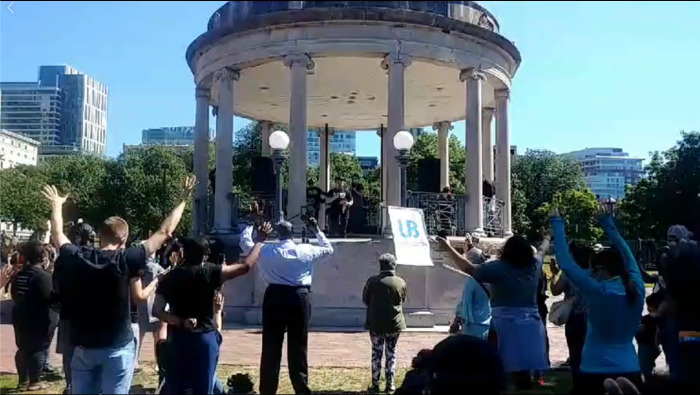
(193, 339)
(287, 267)
(340, 201)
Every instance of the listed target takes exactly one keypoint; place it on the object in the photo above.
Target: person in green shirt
(384, 295)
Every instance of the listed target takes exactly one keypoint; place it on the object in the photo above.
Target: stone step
(420, 319)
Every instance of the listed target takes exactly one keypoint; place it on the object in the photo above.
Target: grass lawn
(322, 380)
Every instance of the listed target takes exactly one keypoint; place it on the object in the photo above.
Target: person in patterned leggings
(384, 295)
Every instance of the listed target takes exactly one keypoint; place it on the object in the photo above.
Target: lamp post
(403, 141)
(279, 141)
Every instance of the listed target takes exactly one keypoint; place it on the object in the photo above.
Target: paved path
(336, 349)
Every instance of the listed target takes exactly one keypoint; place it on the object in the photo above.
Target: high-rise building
(177, 135)
(16, 149)
(341, 142)
(65, 110)
(416, 132)
(609, 170)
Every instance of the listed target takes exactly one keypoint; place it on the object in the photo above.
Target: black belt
(286, 286)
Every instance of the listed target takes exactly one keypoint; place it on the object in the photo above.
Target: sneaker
(373, 389)
(37, 386)
(390, 389)
(22, 385)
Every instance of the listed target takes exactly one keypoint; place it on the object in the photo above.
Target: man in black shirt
(314, 197)
(32, 317)
(340, 200)
(95, 288)
(193, 338)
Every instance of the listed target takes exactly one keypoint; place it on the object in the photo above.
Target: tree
(21, 201)
(84, 179)
(669, 195)
(146, 183)
(580, 210)
(538, 177)
(345, 167)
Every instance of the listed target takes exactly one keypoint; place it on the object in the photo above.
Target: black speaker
(429, 175)
(263, 175)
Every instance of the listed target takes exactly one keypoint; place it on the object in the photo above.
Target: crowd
(105, 299)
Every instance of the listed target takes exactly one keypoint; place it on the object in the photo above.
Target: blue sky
(593, 74)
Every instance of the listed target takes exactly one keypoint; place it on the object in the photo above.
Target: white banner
(410, 236)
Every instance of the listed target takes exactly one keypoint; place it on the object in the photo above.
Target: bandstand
(354, 65)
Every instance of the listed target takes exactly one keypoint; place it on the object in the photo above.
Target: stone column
(265, 134)
(324, 171)
(224, 79)
(296, 193)
(475, 204)
(201, 160)
(503, 158)
(443, 129)
(487, 136)
(396, 65)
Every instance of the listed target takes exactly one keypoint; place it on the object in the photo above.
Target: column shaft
(443, 130)
(475, 205)
(396, 65)
(224, 150)
(296, 191)
(487, 135)
(503, 158)
(201, 160)
(324, 172)
(266, 131)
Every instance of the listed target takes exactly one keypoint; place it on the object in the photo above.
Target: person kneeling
(193, 338)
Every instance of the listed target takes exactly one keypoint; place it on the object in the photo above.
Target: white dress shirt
(287, 263)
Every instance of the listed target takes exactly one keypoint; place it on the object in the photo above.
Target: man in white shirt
(288, 268)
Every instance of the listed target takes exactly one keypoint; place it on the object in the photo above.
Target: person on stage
(287, 267)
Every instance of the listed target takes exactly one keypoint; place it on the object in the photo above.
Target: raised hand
(468, 240)
(51, 194)
(554, 213)
(190, 324)
(263, 231)
(219, 302)
(188, 186)
(312, 224)
(442, 242)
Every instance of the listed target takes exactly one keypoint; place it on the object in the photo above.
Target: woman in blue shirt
(614, 295)
(513, 281)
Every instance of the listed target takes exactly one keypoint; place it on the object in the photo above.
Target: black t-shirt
(343, 196)
(93, 288)
(31, 295)
(189, 290)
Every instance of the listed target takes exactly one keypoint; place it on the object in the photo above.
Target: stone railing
(466, 11)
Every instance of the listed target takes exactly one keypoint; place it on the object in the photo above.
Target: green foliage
(425, 146)
(669, 195)
(538, 177)
(21, 201)
(579, 208)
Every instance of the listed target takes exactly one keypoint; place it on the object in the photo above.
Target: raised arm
(245, 265)
(461, 261)
(56, 202)
(173, 219)
(246, 242)
(544, 247)
(608, 225)
(574, 273)
(324, 247)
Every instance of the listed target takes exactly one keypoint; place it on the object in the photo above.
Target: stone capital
(471, 73)
(226, 74)
(395, 58)
(202, 92)
(502, 94)
(488, 112)
(319, 132)
(443, 126)
(299, 59)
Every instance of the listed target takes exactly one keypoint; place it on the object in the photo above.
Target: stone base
(433, 292)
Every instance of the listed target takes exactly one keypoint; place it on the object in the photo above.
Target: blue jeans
(103, 370)
(193, 360)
